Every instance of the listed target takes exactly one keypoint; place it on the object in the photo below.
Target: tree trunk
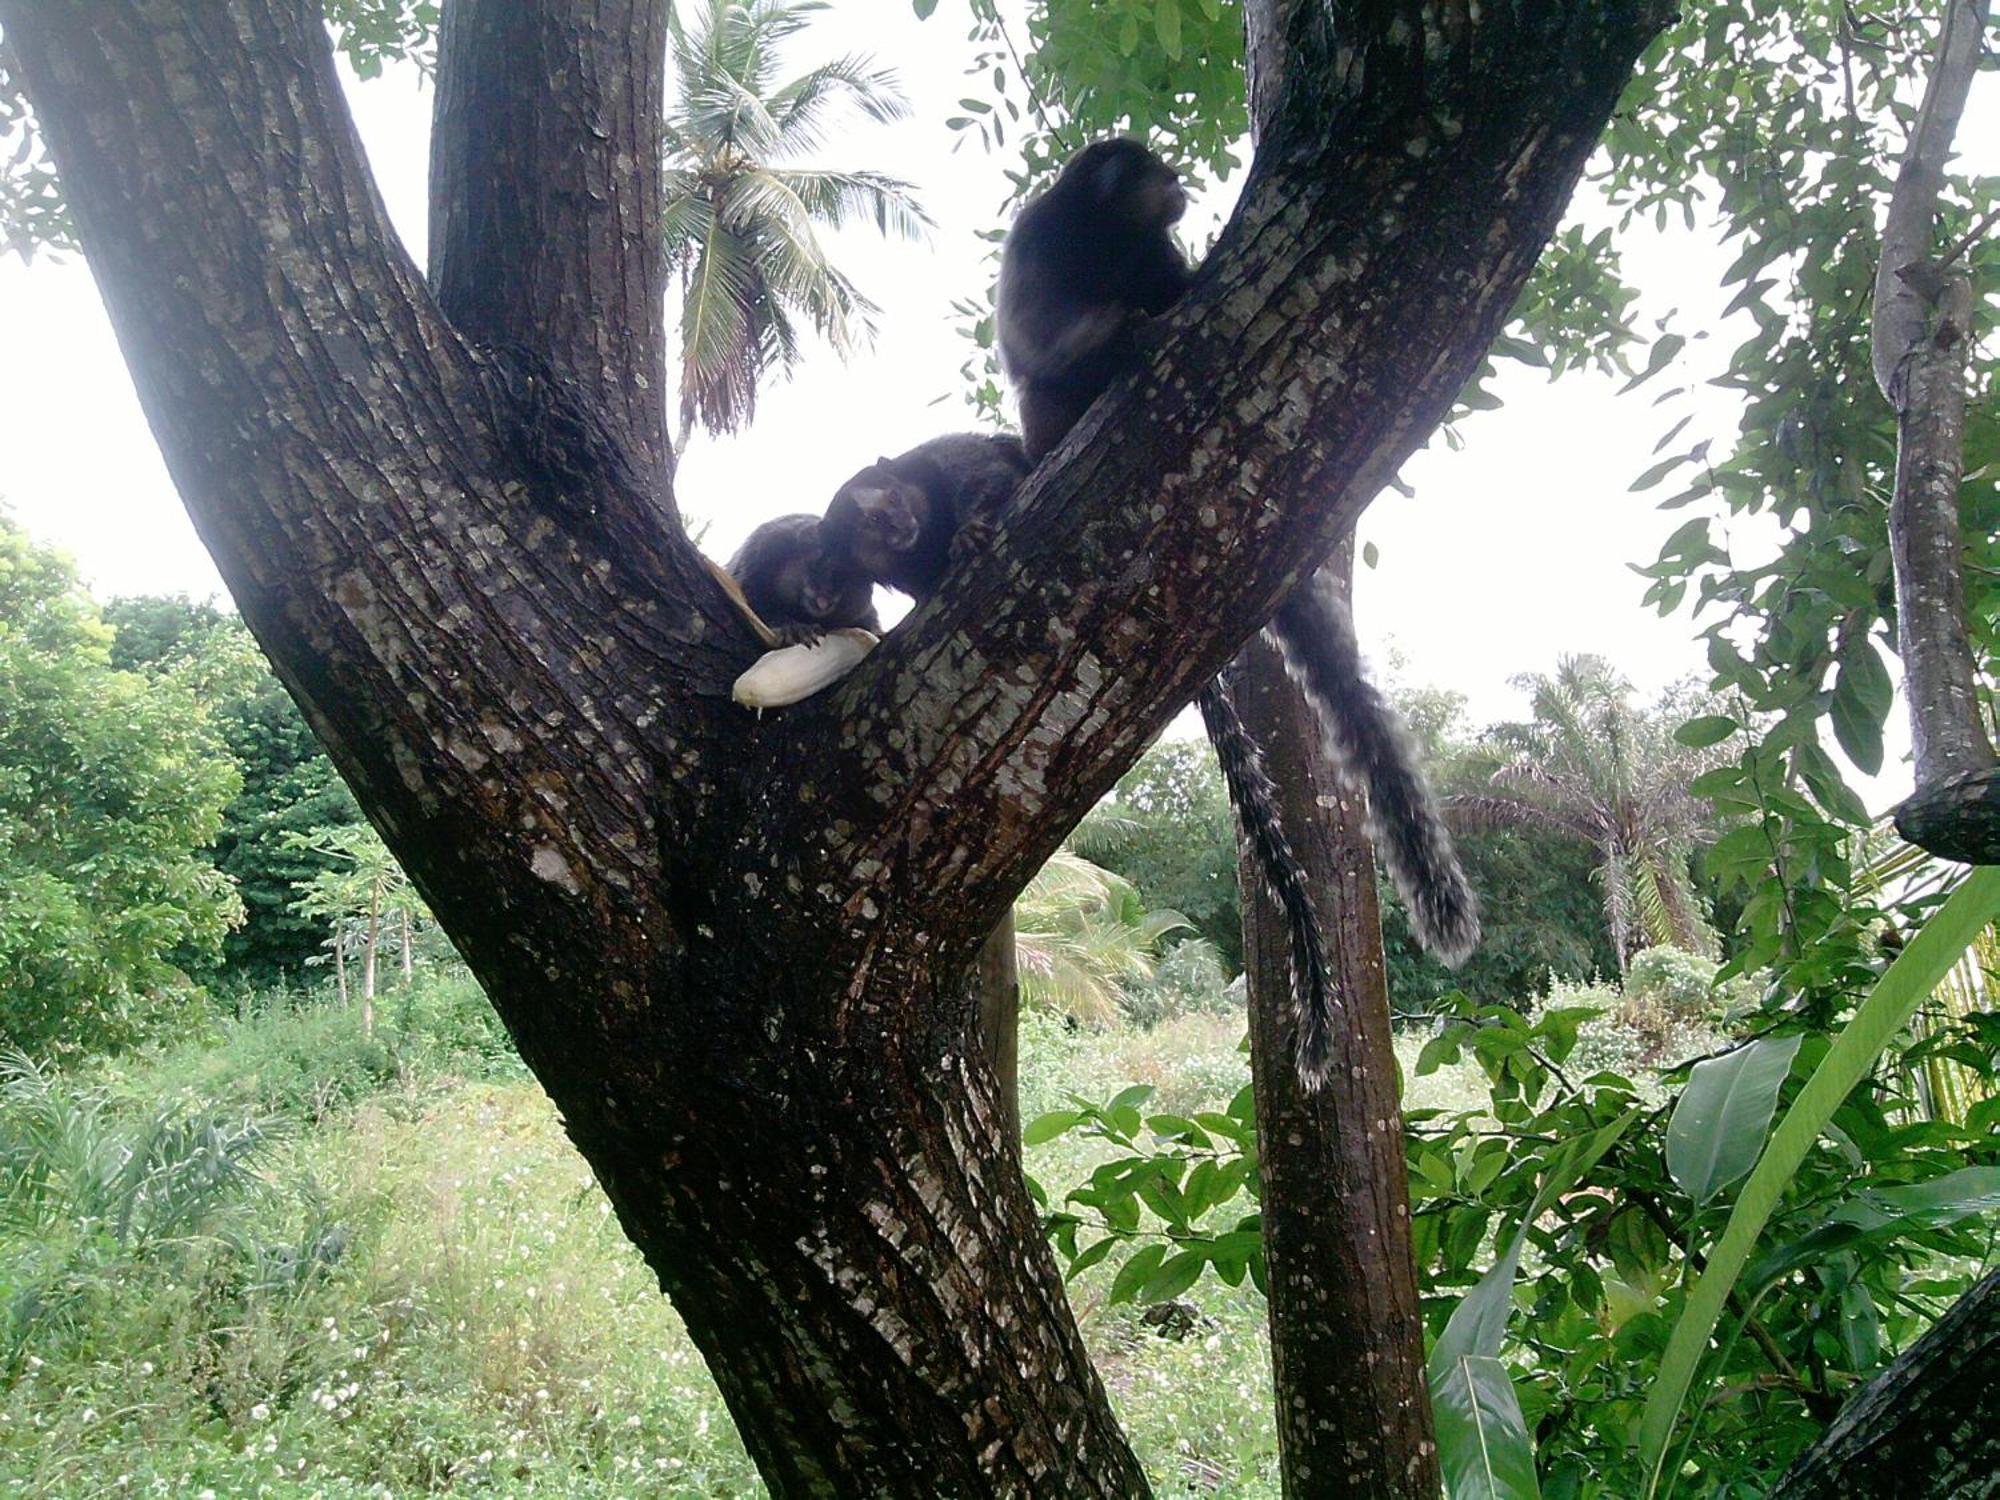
(340, 963)
(1928, 1425)
(998, 978)
(1921, 335)
(1347, 1343)
(368, 952)
(409, 968)
(732, 949)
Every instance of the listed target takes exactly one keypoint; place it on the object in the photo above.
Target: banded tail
(1315, 997)
(1368, 745)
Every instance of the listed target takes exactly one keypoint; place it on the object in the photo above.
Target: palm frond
(805, 107)
(1105, 829)
(686, 223)
(842, 198)
(718, 357)
(1473, 813)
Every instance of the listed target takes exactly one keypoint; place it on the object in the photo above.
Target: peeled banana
(794, 672)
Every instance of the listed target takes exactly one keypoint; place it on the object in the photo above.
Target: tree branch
(1921, 333)
(1349, 299)
(546, 198)
(1902, 311)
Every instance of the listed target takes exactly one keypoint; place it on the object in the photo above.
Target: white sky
(1514, 550)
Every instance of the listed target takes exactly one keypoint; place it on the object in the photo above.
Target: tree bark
(734, 950)
(1921, 333)
(1347, 1341)
(1928, 1425)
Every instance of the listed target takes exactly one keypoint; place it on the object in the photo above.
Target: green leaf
(1917, 971)
(1709, 729)
(1478, 1323)
(1877, 1214)
(1045, 1128)
(1861, 697)
(1720, 1119)
(1654, 475)
(924, 8)
(1091, 1255)
(1483, 1442)
(1167, 23)
(1661, 354)
(1175, 1277)
(1135, 1273)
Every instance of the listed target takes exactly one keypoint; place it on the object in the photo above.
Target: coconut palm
(1591, 766)
(1081, 934)
(741, 218)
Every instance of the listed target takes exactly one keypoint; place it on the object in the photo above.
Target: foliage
(298, 1057)
(483, 1326)
(1591, 768)
(1188, 980)
(1876, 1228)
(1914, 974)
(111, 786)
(740, 220)
(1791, 118)
(289, 786)
(1081, 935)
(357, 891)
(1168, 829)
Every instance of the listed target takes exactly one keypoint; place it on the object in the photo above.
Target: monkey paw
(801, 635)
(974, 535)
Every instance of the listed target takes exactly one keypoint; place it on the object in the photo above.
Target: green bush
(1189, 980)
(1682, 985)
(300, 1055)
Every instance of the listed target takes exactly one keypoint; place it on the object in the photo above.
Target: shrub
(1682, 985)
(1189, 981)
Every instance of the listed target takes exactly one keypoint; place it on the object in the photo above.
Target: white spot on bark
(548, 864)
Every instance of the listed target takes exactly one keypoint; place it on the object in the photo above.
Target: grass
(422, 1289)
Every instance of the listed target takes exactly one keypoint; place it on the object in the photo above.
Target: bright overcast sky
(1513, 551)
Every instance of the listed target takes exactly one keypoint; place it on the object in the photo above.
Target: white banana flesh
(794, 672)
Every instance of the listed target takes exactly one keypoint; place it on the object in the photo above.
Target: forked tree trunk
(734, 951)
(1347, 1342)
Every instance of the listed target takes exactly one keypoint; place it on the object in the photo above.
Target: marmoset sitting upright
(1084, 268)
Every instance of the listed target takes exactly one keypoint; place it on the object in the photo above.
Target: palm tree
(1081, 934)
(1591, 766)
(740, 226)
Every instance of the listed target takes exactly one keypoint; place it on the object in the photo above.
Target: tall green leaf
(1722, 1115)
(1482, 1437)
(1914, 974)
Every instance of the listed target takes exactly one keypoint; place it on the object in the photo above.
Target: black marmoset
(900, 520)
(1084, 266)
(781, 570)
